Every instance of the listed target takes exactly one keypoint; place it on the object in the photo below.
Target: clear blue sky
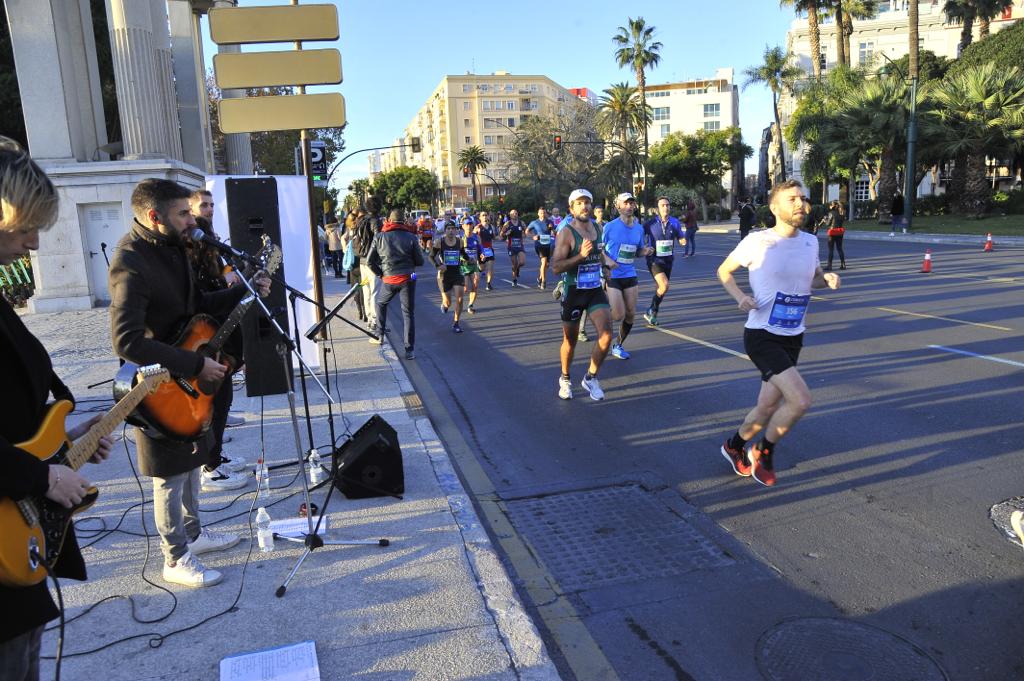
(395, 52)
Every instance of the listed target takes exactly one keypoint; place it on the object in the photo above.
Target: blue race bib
(515, 242)
(588, 275)
(788, 311)
(488, 252)
(451, 258)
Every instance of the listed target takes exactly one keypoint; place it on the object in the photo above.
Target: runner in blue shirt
(514, 230)
(540, 231)
(471, 263)
(662, 232)
(623, 243)
(486, 233)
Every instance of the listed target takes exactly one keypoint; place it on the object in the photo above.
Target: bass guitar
(183, 409)
(35, 527)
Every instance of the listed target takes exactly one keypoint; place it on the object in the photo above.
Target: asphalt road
(643, 557)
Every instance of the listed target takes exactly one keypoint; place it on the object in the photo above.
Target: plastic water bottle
(262, 476)
(264, 535)
(316, 471)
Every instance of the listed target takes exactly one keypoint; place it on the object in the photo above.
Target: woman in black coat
(29, 204)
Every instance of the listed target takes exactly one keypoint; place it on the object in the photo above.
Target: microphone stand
(312, 539)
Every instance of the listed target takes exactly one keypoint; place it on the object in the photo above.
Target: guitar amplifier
(253, 212)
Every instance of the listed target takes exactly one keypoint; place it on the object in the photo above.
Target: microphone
(200, 235)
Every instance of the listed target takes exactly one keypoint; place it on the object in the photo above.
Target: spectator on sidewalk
(690, 223)
(367, 228)
(394, 256)
(896, 209)
(747, 217)
(334, 247)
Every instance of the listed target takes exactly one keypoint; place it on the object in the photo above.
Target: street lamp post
(909, 174)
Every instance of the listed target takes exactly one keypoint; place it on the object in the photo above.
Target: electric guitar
(34, 527)
(183, 409)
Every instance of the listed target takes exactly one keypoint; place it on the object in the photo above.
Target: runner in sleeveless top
(471, 264)
(577, 258)
(485, 232)
(783, 267)
(514, 231)
(540, 231)
(425, 232)
(448, 255)
(623, 242)
(662, 233)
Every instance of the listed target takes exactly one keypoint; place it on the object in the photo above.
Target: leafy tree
(406, 187)
(811, 7)
(638, 50)
(698, 160)
(619, 115)
(1005, 49)
(777, 73)
(929, 66)
(473, 159)
(966, 12)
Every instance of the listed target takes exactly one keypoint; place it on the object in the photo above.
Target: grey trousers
(19, 657)
(370, 292)
(176, 512)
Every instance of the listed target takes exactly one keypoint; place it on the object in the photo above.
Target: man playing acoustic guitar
(28, 204)
(153, 296)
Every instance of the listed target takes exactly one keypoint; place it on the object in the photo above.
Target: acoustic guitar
(35, 527)
(183, 409)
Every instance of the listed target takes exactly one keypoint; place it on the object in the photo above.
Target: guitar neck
(83, 448)
(231, 323)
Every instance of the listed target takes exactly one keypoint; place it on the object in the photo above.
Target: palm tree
(778, 73)
(837, 16)
(811, 7)
(639, 50)
(977, 113)
(853, 9)
(961, 12)
(912, 37)
(473, 159)
(986, 11)
(620, 114)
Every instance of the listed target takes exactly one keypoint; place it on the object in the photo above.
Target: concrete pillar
(237, 146)
(55, 59)
(139, 80)
(165, 73)
(190, 81)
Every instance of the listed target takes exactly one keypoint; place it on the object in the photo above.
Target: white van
(417, 214)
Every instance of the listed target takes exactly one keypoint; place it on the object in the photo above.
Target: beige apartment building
(468, 110)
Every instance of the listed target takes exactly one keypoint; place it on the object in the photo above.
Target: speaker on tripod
(369, 464)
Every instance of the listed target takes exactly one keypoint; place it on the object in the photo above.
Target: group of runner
(596, 266)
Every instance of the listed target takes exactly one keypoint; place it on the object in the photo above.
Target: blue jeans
(691, 241)
(407, 292)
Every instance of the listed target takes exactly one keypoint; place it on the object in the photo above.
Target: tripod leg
(284, 585)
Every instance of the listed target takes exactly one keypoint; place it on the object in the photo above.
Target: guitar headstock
(153, 376)
(269, 256)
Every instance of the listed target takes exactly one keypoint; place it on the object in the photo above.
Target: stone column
(139, 91)
(165, 75)
(190, 81)
(237, 146)
(55, 59)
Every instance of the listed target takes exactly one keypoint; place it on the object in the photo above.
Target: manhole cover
(1000, 515)
(613, 534)
(827, 649)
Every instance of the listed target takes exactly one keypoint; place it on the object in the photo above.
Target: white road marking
(974, 354)
(699, 342)
(945, 319)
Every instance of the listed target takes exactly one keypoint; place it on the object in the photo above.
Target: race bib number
(488, 252)
(451, 258)
(544, 239)
(471, 253)
(588, 275)
(663, 247)
(627, 252)
(788, 311)
(427, 233)
(515, 242)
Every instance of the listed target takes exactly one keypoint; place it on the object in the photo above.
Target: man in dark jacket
(394, 257)
(747, 217)
(153, 294)
(367, 228)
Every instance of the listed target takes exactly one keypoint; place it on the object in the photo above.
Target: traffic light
(558, 142)
(465, 171)
(415, 142)
(501, 199)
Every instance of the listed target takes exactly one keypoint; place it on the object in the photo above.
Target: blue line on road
(974, 354)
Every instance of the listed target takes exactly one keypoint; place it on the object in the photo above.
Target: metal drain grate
(613, 534)
(829, 649)
(414, 405)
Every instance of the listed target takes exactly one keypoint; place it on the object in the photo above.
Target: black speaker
(253, 212)
(369, 464)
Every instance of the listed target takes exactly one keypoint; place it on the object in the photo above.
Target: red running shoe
(737, 458)
(761, 467)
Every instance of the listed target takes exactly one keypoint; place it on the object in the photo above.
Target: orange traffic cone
(988, 243)
(926, 267)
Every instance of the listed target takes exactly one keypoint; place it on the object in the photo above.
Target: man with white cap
(577, 257)
(623, 243)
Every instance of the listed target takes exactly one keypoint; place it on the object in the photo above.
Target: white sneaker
(188, 571)
(235, 464)
(217, 480)
(234, 420)
(209, 540)
(564, 388)
(593, 387)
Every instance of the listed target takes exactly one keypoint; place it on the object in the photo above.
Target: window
(712, 110)
(712, 125)
(659, 93)
(533, 87)
(488, 191)
(823, 60)
(465, 106)
(488, 139)
(500, 140)
(484, 87)
(665, 129)
(487, 105)
(861, 191)
(466, 88)
(489, 124)
(508, 87)
(465, 122)
(510, 105)
(661, 113)
(469, 140)
(511, 122)
(867, 53)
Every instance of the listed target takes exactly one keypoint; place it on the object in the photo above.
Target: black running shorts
(576, 300)
(452, 276)
(660, 267)
(771, 353)
(622, 283)
(542, 251)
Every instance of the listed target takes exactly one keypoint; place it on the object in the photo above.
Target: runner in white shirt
(783, 267)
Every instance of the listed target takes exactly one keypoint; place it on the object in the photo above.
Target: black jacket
(153, 295)
(395, 251)
(28, 381)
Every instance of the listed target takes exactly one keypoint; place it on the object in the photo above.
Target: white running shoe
(593, 386)
(234, 420)
(218, 480)
(235, 464)
(209, 540)
(188, 571)
(564, 388)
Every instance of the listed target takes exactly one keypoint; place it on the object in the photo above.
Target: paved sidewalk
(435, 604)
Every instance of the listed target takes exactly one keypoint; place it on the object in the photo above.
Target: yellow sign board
(285, 23)
(286, 112)
(240, 70)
